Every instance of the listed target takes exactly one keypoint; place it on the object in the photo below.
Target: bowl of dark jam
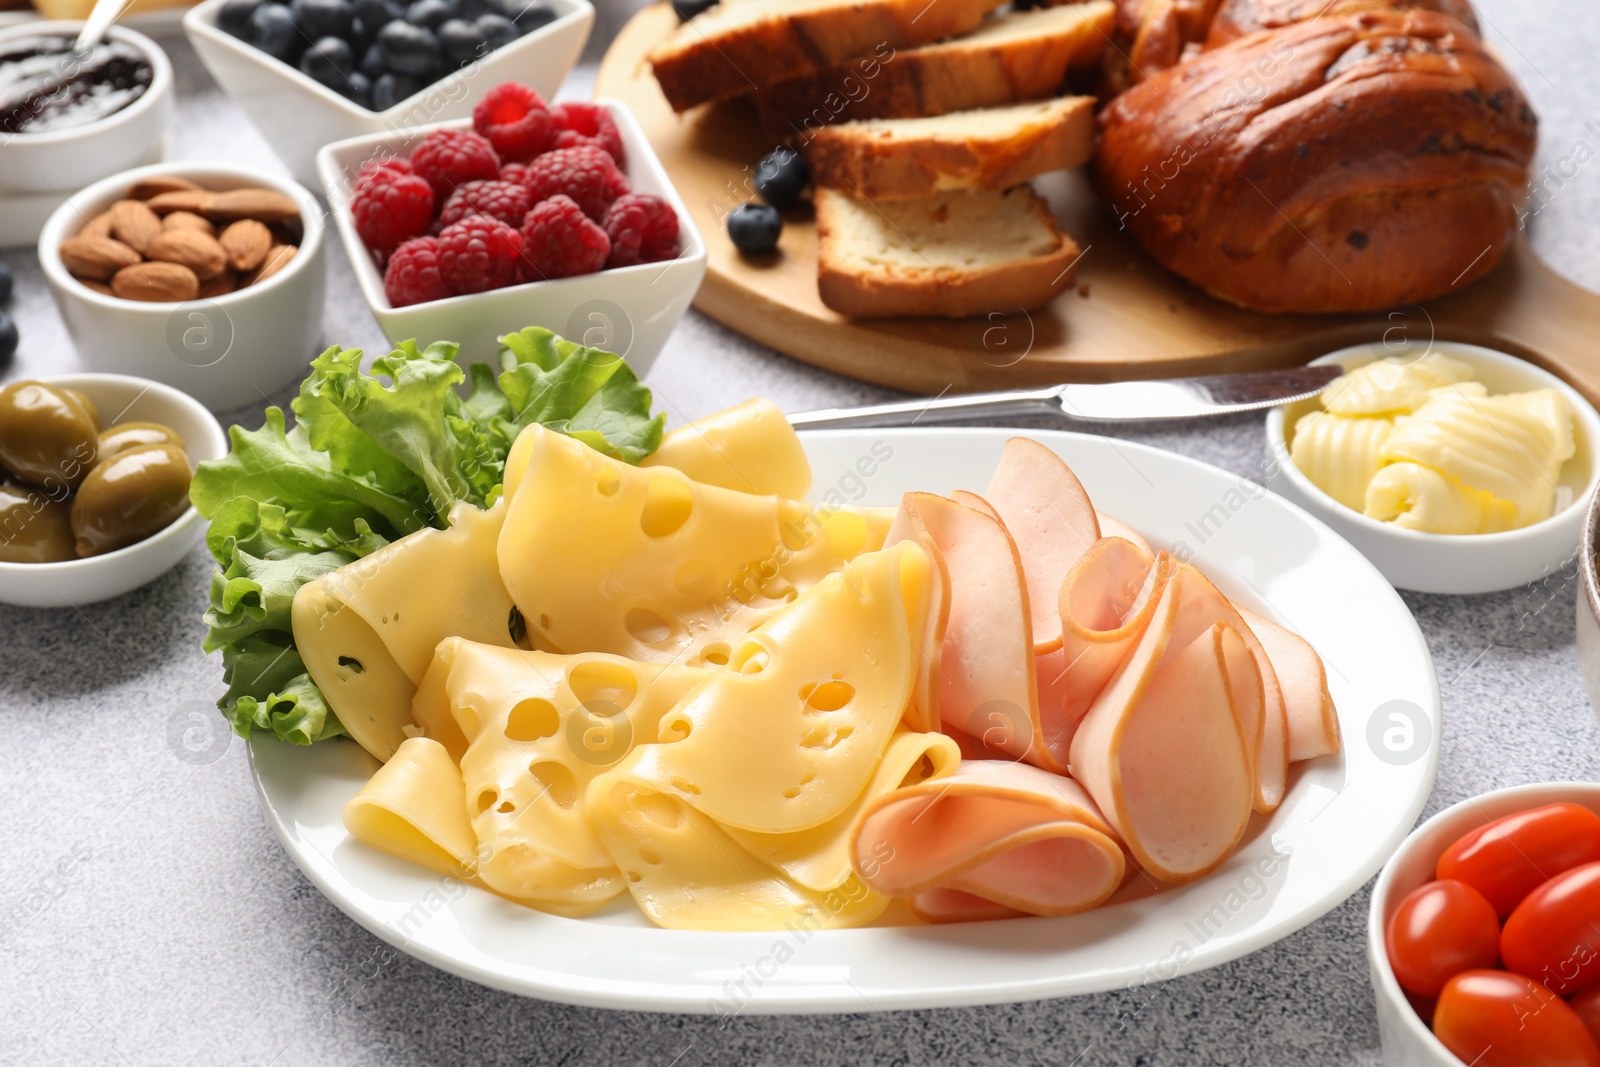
(68, 118)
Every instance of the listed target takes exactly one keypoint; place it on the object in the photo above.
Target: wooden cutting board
(1126, 318)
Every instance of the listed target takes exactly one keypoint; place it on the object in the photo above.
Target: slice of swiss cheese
(749, 447)
(414, 807)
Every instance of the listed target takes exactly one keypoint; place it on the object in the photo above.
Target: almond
(188, 220)
(198, 251)
(276, 260)
(149, 187)
(264, 205)
(247, 243)
(134, 224)
(192, 200)
(155, 282)
(99, 287)
(220, 285)
(99, 226)
(96, 257)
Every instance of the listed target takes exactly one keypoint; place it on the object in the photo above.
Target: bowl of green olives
(94, 485)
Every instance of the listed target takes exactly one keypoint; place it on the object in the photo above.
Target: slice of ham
(1163, 750)
(907, 525)
(994, 839)
(1103, 606)
(983, 682)
(1114, 527)
(1312, 723)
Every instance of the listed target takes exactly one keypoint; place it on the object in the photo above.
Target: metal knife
(1172, 398)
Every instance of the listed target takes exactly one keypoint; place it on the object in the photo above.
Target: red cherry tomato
(1496, 1019)
(1554, 935)
(1439, 930)
(1511, 857)
(1587, 1005)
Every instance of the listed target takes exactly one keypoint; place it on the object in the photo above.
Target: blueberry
(234, 16)
(329, 61)
(377, 13)
(498, 30)
(430, 14)
(390, 89)
(781, 176)
(358, 88)
(755, 228)
(372, 64)
(462, 42)
(471, 9)
(360, 36)
(8, 339)
(321, 18)
(409, 49)
(5, 284)
(529, 15)
(273, 31)
(688, 9)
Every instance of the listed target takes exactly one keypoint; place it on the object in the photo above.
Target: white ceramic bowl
(297, 115)
(1407, 1041)
(1588, 606)
(56, 160)
(227, 352)
(629, 310)
(1440, 563)
(120, 398)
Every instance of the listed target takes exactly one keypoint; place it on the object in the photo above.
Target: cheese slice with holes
(414, 807)
(749, 447)
(788, 735)
(1007, 833)
(367, 631)
(686, 873)
(819, 857)
(649, 564)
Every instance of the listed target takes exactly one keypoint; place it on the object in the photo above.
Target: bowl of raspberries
(559, 215)
(311, 72)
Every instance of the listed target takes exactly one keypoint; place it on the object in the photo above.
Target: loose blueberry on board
(234, 16)
(329, 61)
(5, 284)
(8, 339)
(462, 42)
(754, 228)
(272, 30)
(781, 177)
(390, 89)
(688, 9)
(498, 30)
(409, 49)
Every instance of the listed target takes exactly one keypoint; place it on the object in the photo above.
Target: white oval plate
(1342, 818)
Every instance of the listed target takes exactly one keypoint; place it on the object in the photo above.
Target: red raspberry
(413, 275)
(479, 253)
(449, 158)
(577, 123)
(382, 168)
(642, 228)
(586, 174)
(515, 120)
(506, 201)
(514, 172)
(560, 241)
(390, 208)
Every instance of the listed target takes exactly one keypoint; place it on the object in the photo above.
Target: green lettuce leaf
(269, 689)
(580, 391)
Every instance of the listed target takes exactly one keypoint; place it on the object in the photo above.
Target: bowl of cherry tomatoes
(1484, 934)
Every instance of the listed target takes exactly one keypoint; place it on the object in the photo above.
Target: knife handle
(934, 410)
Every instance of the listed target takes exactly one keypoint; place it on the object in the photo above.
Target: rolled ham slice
(995, 839)
(983, 683)
(1111, 526)
(1163, 750)
(1312, 723)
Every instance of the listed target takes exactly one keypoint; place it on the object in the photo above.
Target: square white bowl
(297, 115)
(630, 310)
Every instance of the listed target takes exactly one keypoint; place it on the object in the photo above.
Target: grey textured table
(148, 916)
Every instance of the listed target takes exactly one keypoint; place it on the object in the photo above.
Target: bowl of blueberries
(311, 72)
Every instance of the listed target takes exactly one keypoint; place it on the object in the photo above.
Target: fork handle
(933, 411)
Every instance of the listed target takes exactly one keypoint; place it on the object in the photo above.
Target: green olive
(92, 412)
(47, 437)
(126, 435)
(33, 527)
(130, 496)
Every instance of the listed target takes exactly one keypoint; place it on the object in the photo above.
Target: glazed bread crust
(1339, 164)
(1238, 18)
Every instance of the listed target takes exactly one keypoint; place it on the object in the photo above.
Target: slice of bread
(990, 148)
(736, 47)
(951, 255)
(1019, 56)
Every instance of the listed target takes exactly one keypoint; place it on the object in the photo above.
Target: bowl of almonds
(207, 278)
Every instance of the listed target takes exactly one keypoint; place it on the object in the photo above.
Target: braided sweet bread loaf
(1347, 163)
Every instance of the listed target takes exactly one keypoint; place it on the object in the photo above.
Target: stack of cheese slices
(922, 121)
